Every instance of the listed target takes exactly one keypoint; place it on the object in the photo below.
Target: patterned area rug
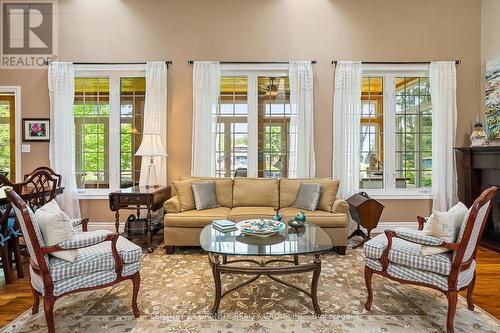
(177, 293)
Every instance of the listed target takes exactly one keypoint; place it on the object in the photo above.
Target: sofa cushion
(290, 187)
(246, 213)
(223, 189)
(184, 192)
(319, 217)
(408, 254)
(196, 218)
(256, 192)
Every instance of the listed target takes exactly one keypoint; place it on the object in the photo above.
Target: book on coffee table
(224, 225)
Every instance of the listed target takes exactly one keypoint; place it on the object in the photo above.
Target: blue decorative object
(277, 216)
(301, 217)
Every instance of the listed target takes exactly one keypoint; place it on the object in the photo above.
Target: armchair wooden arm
(421, 222)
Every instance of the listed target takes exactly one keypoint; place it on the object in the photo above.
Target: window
(274, 120)
(396, 131)
(132, 99)
(252, 131)
(232, 127)
(7, 135)
(108, 115)
(91, 114)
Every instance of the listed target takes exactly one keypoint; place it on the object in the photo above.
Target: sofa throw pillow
(56, 227)
(444, 225)
(184, 193)
(308, 196)
(204, 195)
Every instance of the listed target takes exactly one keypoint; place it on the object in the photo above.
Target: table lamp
(151, 146)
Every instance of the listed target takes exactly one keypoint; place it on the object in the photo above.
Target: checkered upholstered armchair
(103, 259)
(397, 256)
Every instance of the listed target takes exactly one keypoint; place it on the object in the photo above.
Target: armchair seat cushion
(94, 279)
(94, 259)
(319, 217)
(408, 254)
(417, 275)
(245, 213)
(195, 218)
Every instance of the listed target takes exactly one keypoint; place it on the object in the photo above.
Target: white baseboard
(382, 226)
(105, 225)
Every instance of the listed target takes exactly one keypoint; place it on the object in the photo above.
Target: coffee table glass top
(308, 239)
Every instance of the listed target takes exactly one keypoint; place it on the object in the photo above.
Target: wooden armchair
(53, 278)
(42, 185)
(396, 256)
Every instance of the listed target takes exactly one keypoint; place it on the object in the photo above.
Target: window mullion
(389, 132)
(253, 135)
(114, 131)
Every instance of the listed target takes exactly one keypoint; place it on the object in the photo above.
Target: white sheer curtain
(301, 161)
(346, 126)
(62, 137)
(155, 117)
(206, 90)
(443, 82)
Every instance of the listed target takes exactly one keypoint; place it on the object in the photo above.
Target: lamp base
(151, 177)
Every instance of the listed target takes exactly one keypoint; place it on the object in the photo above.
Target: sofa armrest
(172, 205)
(340, 206)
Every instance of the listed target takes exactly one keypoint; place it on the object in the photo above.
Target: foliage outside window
(7, 136)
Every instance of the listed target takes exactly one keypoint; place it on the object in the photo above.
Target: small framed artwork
(36, 129)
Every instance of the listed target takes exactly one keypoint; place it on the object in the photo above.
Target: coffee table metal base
(226, 267)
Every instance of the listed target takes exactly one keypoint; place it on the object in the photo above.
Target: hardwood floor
(16, 298)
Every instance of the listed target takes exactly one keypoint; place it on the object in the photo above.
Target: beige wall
(323, 30)
(490, 38)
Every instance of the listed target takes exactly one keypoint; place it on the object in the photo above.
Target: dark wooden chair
(42, 185)
(9, 233)
(49, 170)
(53, 278)
(456, 270)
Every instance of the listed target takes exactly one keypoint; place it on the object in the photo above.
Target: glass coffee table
(310, 239)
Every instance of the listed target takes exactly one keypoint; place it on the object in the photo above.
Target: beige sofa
(246, 198)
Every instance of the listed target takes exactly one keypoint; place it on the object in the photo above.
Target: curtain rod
(457, 62)
(168, 62)
(253, 62)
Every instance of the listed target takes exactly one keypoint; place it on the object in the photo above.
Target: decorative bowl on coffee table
(260, 227)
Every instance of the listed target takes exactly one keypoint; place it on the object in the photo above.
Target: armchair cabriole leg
(368, 282)
(36, 301)
(452, 296)
(48, 308)
(470, 290)
(136, 281)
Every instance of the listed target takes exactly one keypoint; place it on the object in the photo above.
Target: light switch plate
(26, 148)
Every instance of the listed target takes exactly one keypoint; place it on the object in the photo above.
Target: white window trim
(16, 90)
(113, 72)
(252, 72)
(390, 72)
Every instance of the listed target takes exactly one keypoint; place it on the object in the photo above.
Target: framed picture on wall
(36, 129)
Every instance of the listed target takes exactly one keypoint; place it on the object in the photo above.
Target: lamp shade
(151, 145)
